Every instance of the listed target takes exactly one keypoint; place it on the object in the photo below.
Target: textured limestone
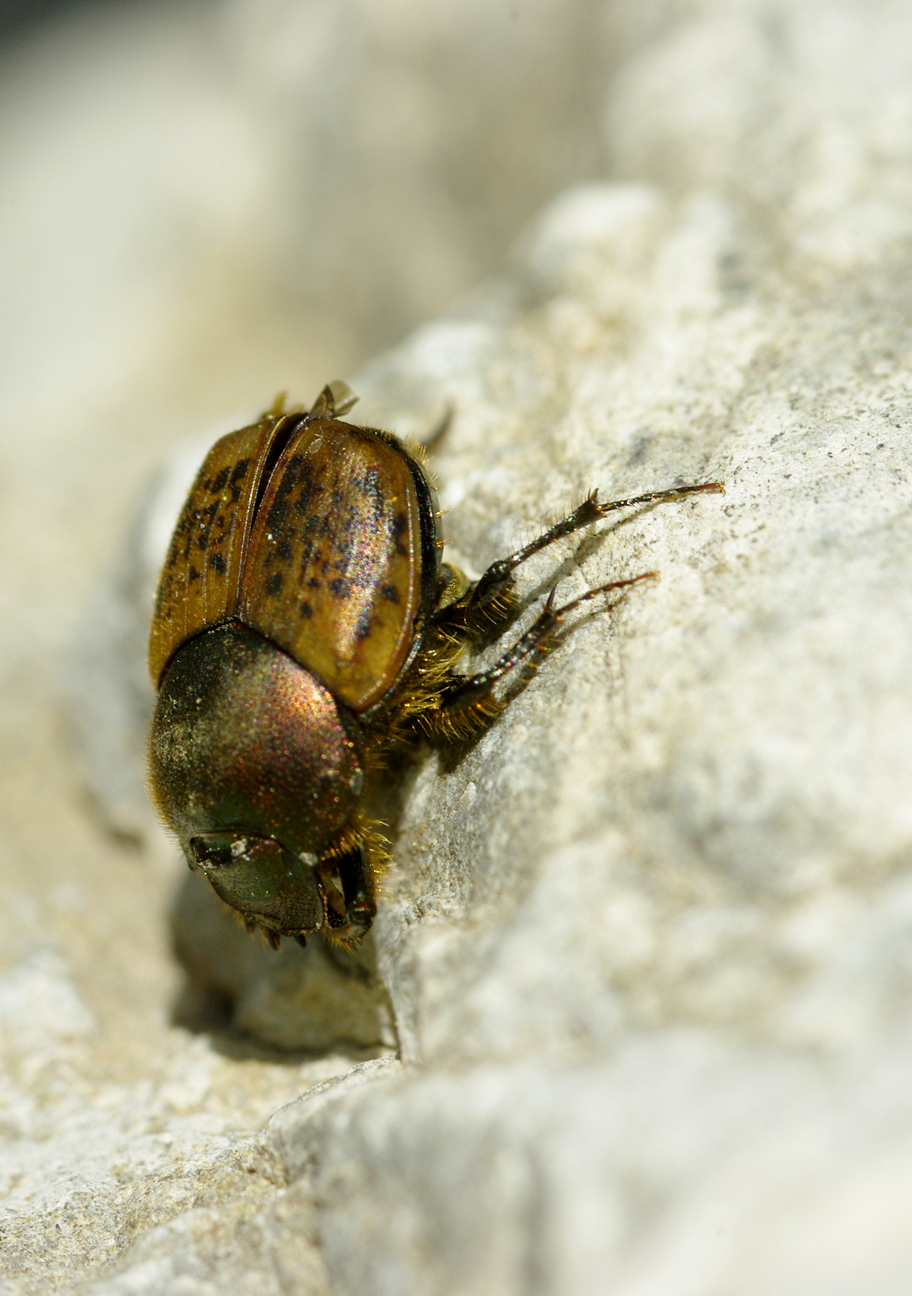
(646, 944)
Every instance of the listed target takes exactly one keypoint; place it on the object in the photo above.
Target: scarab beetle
(305, 626)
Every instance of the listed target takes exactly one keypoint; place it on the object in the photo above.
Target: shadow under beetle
(305, 626)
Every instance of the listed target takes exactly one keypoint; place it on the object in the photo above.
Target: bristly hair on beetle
(305, 629)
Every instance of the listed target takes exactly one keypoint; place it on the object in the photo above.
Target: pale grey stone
(246, 1247)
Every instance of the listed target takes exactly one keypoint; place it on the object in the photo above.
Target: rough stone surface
(646, 944)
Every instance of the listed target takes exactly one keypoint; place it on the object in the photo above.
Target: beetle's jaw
(268, 885)
(348, 880)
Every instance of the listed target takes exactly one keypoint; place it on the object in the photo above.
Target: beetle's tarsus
(655, 497)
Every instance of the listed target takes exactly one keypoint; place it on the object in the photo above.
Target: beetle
(305, 627)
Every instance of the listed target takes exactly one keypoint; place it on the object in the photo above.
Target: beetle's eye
(217, 850)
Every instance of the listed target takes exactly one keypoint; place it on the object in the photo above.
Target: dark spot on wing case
(398, 528)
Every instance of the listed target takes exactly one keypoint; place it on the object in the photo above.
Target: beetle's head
(253, 768)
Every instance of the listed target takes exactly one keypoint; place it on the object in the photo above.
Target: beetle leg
(480, 621)
(492, 602)
(468, 705)
(439, 432)
(452, 588)
(455, 594)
